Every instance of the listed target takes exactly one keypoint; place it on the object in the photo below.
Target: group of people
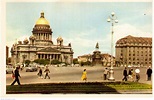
(47, 71)
(127, 75)
(135, 75)
(16, 75)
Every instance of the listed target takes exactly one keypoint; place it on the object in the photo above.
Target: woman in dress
(84, 75)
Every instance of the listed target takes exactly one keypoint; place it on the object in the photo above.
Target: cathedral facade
(40, 45)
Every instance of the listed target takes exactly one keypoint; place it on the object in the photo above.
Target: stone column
(58, 56)
(40, 56)
(39, 36)
(45, 36)
(54, 56)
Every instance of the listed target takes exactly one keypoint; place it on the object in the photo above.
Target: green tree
(86, 63)
(75, 61)
(27, 62)
(55, 62)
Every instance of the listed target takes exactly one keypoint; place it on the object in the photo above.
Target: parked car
(31, 69)
(9, 69)
(34, 68)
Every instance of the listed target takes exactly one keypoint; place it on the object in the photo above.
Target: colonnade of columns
(49, 56)
(43, 36)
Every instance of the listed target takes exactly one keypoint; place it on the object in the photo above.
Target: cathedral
(40, 45)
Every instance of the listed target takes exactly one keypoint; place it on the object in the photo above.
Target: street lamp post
(113, 20)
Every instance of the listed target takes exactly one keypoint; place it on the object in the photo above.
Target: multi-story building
(40, 45)
(134, 51)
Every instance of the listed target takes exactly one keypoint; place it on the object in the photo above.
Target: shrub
(55, 62)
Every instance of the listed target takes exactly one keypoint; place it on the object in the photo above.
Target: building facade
(134, 51)
(40, 45)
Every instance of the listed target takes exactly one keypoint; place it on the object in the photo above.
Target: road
(72, 74)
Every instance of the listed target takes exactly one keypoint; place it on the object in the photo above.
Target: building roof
(42, 20)
(132, 39)
(86, 55)
(103, 55)
(49, 49)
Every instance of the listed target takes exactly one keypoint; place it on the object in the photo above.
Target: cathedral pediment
(49, 49)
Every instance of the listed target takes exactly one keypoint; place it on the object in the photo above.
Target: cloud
(84, 42)
(123, 30)
(83, 45)
(148, 11)
(10, 43)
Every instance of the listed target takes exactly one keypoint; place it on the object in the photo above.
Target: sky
(82, 24)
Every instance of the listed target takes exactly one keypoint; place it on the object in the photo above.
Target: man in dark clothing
(125, 74)
(149, 72)
(40, 73)
(47, 71)
(17, 75)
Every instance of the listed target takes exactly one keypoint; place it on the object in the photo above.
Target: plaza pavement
(73, 74)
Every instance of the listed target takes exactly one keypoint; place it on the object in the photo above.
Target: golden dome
(42, 20)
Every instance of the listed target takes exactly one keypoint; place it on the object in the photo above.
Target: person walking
(149, 72)
(125, 74)
(106, 71)
(129, 74)
(47, 71)
(40, 73)
(137, 71)
(133, 75)
(84, 75)
(16, 75)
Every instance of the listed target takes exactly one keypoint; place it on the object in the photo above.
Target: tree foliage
(86, 63)
(27, 62)
(55, 62)
(75, 61)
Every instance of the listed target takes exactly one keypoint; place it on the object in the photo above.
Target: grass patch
(130, 86)
(89, 87)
